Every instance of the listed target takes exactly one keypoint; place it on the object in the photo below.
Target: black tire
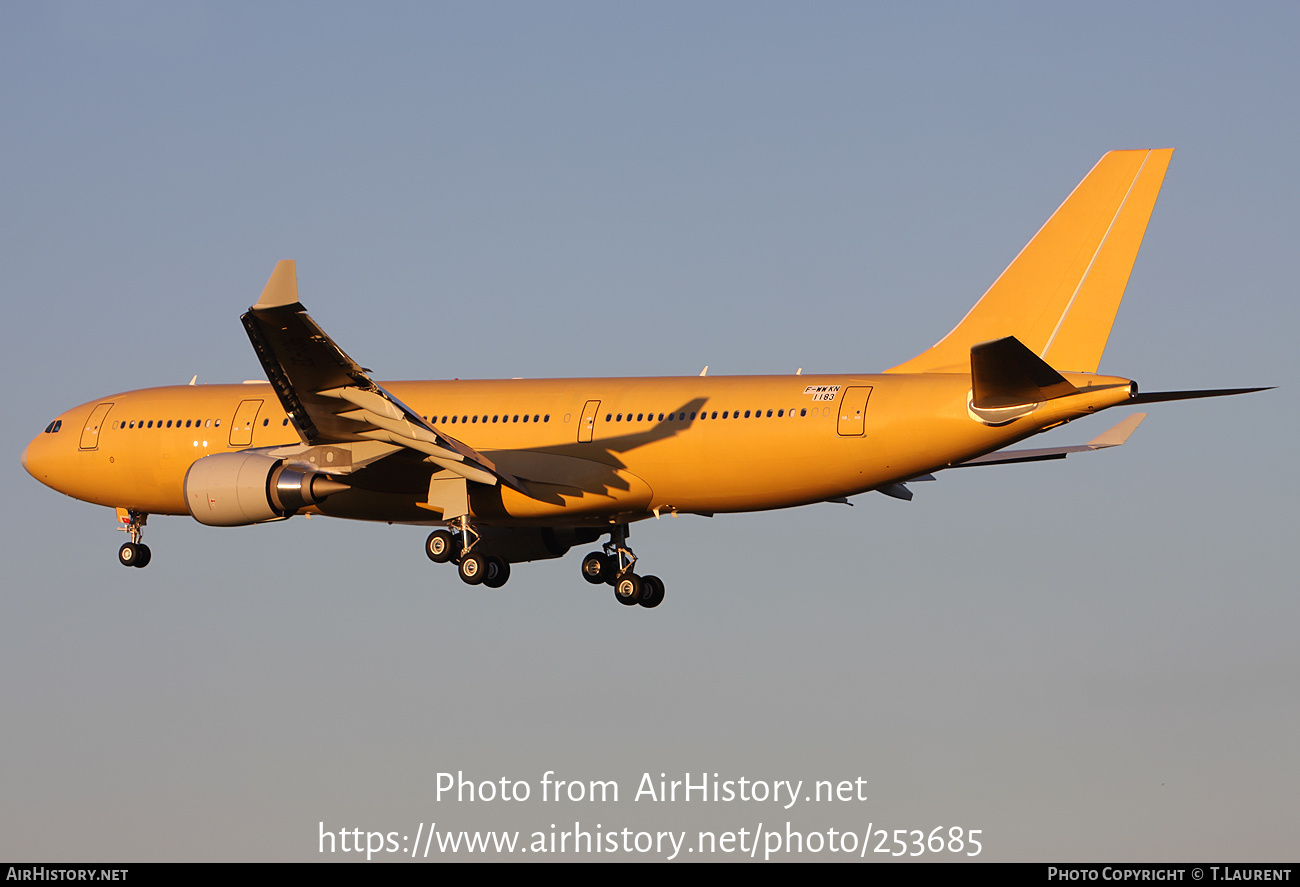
(652, 592)
(593, 568)
(441, 546)
(473, 569)
(627, 590)
(128, 554)
(144, 556)
(498, 572)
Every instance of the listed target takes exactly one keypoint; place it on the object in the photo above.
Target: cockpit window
(54, 426)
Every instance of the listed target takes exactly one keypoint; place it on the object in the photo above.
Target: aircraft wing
(1113, 437)
(331, 398)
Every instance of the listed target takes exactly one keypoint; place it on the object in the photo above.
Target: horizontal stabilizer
(1162, 396)
(1005, 373)
(1112, 437)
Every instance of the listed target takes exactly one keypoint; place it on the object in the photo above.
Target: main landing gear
(134, 553)
(456, 544)
(613, 566)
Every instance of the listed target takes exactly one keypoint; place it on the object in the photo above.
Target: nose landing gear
(134, 553)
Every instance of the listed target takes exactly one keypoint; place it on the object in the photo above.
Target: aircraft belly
(563, 486)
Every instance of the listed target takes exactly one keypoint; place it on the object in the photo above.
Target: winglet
(1117, 434)
(282, 288)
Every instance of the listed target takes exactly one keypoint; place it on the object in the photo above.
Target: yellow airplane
(520, 470)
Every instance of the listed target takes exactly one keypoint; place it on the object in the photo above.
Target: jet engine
(239, 489)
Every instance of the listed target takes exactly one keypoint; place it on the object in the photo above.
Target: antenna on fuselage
(194, 379)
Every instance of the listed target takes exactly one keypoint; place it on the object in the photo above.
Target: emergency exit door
(587, 426)
(241, 430)
(853, 411)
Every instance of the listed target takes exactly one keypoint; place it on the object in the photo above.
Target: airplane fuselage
(624, 447)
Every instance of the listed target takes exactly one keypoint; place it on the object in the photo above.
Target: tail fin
(1060, 295)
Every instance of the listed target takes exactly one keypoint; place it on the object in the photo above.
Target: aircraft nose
(35, 461)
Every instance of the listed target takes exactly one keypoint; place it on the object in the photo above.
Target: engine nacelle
(239, 489)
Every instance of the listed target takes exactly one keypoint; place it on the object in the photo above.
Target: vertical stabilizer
(1060, 295)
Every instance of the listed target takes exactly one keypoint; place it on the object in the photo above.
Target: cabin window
(515, 419)
(474, 419)
(803, 412)
(546, 418)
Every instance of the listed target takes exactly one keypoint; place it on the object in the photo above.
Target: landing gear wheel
(473, 568)
(628, 589)
(498, 572)
(134, 554)
(595, 568)
(652, 591)
(441, 546)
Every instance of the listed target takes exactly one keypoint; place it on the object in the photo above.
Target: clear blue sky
(1093, 659)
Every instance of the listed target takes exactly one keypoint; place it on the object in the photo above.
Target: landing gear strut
(134, 553)
(613, 566)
